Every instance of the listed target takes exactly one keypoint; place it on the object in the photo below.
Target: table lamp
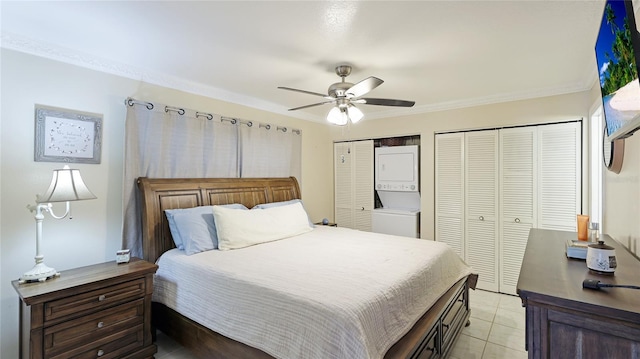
(66, 185)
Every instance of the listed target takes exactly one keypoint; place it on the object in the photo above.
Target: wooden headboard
(158, 194)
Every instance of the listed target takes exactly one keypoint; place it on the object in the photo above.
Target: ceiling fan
(345, 94)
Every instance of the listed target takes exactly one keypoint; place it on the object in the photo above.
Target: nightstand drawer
(94, 300)
(110, 347)
(92, 328)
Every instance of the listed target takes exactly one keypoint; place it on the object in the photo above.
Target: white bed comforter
(329, 293)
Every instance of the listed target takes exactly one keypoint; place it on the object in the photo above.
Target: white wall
(94, 234)
(541, 110)
(621, 192)
(622, 198)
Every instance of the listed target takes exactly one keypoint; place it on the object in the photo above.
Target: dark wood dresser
(98, 311)
(563, 320)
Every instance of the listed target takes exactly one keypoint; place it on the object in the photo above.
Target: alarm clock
(123, 256)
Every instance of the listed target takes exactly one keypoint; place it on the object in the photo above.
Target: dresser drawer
(110, 347)
(452, 318)
(91, 328)
(429, 348)
(80, 304)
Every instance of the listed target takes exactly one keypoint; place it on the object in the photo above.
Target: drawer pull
(446, 326)
(101, 298)
(100, 352)
(100, 324)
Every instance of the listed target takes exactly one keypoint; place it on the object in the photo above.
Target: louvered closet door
(449, 184)
(559, 175)
(343, 184)
(518, 158)
(481, 199)
(363, 184)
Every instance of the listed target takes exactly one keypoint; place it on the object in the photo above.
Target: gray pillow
(193, 229)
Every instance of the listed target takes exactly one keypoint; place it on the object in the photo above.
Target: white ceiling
(441, 54)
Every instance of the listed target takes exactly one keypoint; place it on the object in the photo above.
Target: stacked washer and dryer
(397, 175)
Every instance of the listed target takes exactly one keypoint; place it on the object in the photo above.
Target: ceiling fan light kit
(341, 115)
(344, 94)
(354, 113)
(337, 117)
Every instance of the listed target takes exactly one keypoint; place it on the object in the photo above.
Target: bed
(430, 333)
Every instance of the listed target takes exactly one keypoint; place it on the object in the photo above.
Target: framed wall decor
(63, 135)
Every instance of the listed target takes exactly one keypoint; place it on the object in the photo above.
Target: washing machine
(399, 222)
(397, 186)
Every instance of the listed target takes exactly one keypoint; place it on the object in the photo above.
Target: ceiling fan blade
(314, 104)
(363, 87)
(307, 92)
(384, 102)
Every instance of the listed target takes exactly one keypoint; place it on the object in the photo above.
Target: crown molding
(27, 45)
(487, 100)
(53, 52)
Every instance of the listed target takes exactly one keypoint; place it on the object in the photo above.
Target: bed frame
(431, 337)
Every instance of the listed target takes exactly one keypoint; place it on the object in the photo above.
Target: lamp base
(39, 273)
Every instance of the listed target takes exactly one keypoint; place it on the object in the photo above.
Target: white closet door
(343, 184)
(481, 199)
(363, 184)
(518, 158)
(353, 171)
(559, 175)
(449, 167)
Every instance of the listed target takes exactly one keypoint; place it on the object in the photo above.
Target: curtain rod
(150, 106)
(180, 111)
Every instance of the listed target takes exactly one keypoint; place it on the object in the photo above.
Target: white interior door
(493, 186)
(559, 175)
(481, 199)
(363, 184)
(353, 171)
(449, 168)
(518, 180)
(343, 187)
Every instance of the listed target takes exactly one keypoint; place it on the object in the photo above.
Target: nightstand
(330, 224)
(102, 310)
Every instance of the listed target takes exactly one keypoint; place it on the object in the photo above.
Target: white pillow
(283, 203)
(239, 229)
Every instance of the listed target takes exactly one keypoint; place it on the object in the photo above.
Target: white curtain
(270, 151)
(168, 142)
(165, 142)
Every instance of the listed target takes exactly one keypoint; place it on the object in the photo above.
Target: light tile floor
(496, 331)
(497, 328)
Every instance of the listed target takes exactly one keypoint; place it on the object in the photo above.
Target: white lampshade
(66, 185)
(355, 114)
(337, 116)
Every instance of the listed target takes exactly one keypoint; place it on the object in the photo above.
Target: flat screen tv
(617, 53)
